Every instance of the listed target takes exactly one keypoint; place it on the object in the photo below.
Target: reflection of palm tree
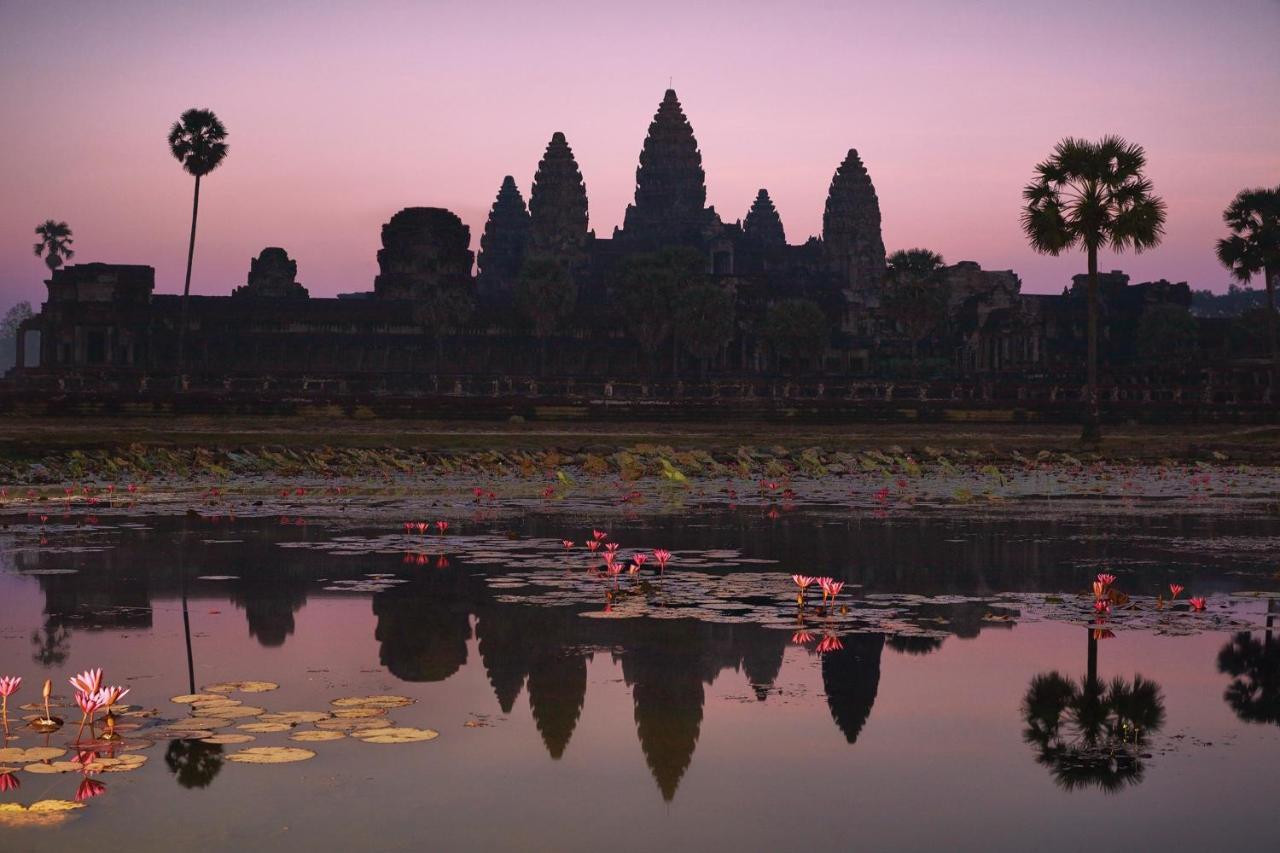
(194, 762)
(51, 644)
(1088, 733)
(1254, 692)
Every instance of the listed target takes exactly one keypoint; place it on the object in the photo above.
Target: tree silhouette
(1254, 247)
(1089, 734)
(704, 320)
(546, 294)
(916, 295)
(54, 244)
(1254, 692)
(198, 141)
(193, 762)
(647, 287)
(1092, 195)
(796, 329)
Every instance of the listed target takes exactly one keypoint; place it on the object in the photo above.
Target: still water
(954, 717)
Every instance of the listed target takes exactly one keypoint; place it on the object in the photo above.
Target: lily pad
(191, 723)
(372, 702)
(271, 755)
(241, 687)
(192, 698)
(295, 716)
(264, 728)
(46, 767)
(400, 735)
(36, 753)
(42, 813)
(359, 713)
(354, 725)
(118, 764)
(227, 738)
(235, 712)
(318, 735)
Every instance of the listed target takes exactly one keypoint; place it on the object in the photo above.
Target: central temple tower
(671, 191)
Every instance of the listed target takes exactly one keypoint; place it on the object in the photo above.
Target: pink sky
(341, 114)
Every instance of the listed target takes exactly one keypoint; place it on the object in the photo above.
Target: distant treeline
(1233, 303)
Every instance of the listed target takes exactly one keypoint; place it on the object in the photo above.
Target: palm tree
(1093, 195)
(198, 141)
(545, 294)
(916, 296)
(1254, 247)
(55, 243)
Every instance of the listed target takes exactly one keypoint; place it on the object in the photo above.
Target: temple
(547, 291)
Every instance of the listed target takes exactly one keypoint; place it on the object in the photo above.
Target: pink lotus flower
(802, 637)
(803, 581)
(1102, 606)
(89, 788)
(1175, 589)
(1106, 579)
(1197, 604)
(831, 587)
(611, 547)
(90, 703)
(662, 556)
(89, 681)
(598, 535)
(593, 544)
(9, 782)
(9, 685)
(639, 559)
(442, 526)
(408, 527)
(567, 543)
(422, 526)
(109, 696)
(829, 643)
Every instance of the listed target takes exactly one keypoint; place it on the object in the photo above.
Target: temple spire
(763, 225)
(558, 203)
(851, 235)
(671, 187)
(502, 246)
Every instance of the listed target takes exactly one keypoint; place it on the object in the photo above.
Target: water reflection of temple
(423, 629)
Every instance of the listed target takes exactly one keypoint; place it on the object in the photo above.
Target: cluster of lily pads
(214, 717)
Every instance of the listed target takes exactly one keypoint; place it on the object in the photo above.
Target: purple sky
(341, 114)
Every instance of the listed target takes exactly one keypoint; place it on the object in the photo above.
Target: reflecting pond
(961, 693)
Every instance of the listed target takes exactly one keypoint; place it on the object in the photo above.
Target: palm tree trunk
(1092, 425)
(1270, 275)
(186, 285)
(1091, 668)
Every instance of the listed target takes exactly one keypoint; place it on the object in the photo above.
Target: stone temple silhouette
(437, 309)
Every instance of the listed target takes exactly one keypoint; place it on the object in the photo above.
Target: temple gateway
(547, 298)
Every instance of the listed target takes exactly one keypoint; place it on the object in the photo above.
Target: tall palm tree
(55, 243)
(916, 296)
(1254, 247)
(198, 141)
(1092, 195)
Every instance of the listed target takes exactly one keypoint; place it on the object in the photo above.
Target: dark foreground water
(965, 699)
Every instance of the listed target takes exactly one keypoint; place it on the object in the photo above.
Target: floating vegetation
(769, 599)
(395, 735)
(316, 735)
(193, 698)
(294, 717)
(271, 755)
(264, 728)
(17, 755)
(227, 739)
(372, 702)
(338, 725)
(44, 813)
(241, 687)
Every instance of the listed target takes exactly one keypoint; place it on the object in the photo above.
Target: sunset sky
(340, 114)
